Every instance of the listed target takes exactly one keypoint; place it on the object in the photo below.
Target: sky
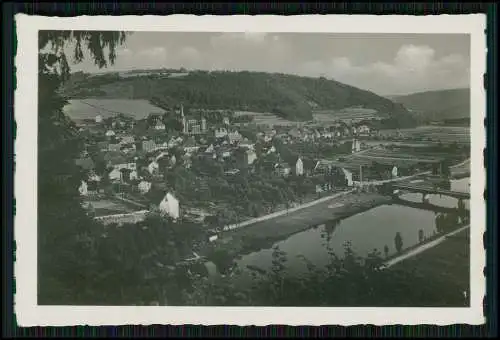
(387, 64)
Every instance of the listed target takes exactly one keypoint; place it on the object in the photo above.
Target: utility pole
(361, 176)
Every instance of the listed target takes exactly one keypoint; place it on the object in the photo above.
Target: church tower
(184, 125)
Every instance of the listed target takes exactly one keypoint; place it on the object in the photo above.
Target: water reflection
(461, 185)
(373, 230)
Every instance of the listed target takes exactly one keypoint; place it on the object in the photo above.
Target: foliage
(285, 95)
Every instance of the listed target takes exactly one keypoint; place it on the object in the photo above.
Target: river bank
(264, 234)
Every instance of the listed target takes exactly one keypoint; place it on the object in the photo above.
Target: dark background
(9, 9)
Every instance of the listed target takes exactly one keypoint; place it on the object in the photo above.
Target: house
(94, 177)
(127, 140)
(144, 187)
(299, 167)
(394, 172)
(210, 149)
(364, 130)
(153, 168)
(356, 146)
(133, 175)
(169, 206)
(190, 145)
(348, 176)
(220, 132)
(98, 119)
(251, 156)
(115, 175)
(245, 143)
(294, 133)
(110, 133)
(225, 121)
(83, 188)
(234, 137)
(159, 125)
(282, 169)
(149, 145)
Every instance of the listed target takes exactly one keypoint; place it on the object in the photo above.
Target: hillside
(437, 105)
(289, 96)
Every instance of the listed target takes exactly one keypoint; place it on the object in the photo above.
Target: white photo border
(27, 311)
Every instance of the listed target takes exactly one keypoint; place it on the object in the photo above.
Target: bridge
(431, 190)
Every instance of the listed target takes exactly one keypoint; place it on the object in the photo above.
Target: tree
(67, 237)
(386, 251)
(398, 242)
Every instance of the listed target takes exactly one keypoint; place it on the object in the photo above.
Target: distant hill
(288, 96)
(437, 105)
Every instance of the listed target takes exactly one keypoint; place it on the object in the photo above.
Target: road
(298, 220)
(422, 248)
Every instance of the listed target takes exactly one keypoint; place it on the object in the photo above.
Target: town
(224, 169)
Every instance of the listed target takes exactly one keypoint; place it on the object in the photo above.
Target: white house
(130, 165)
(251, 156)
(159, 125)
(133, 175)
(144, 186)
(348, 176)
(98, 119)
(226, 121)
(364, 129)
(94, 177)
(356, 146)
(299, 167)
(110, 133)
(153, 167)
(170, 206)
(83, 189)
(210, 149)
(115, 175)
(394, 172)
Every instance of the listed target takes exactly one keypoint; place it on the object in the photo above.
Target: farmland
(443, 134)
(347, 115)
(399, 156)
(265, 118)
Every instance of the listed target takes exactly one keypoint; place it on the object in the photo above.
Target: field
(89, 108)
(444, 134)
(345, 115)
(395, 156)
(265, 118)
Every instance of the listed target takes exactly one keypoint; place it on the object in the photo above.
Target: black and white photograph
(249, 168)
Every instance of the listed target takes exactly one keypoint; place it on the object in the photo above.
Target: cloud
(413, 69)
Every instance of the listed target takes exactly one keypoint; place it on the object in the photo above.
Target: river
(366, 231)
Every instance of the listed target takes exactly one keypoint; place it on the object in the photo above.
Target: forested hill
(292, 97)
(437, 105)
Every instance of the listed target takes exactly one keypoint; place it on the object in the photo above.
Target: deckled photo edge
(26, 309)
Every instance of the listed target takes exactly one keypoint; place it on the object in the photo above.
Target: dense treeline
(289, 96)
